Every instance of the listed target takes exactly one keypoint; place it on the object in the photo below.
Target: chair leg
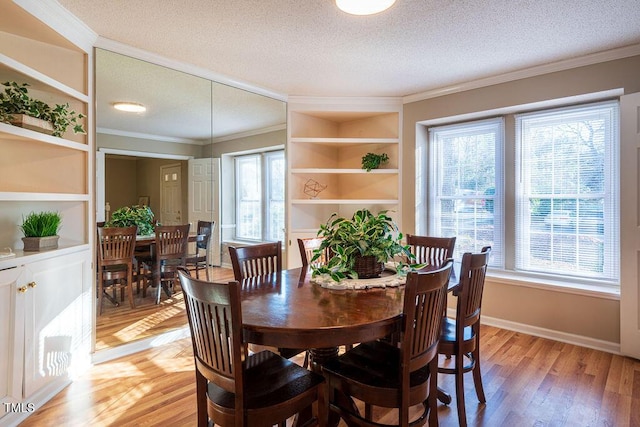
(206, 271)
(462, 413)
(477, 375)
(130, 289)
(432, 400)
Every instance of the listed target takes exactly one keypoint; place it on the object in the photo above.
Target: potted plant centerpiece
(128, 216)
(359, 247)
(18, 108)
(40, 230)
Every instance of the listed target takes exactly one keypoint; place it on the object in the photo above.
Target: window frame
(264, 159)
(508, 274)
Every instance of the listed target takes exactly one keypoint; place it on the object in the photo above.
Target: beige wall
(127, 178)
(148, 145)
(121, 181)
(589, 316)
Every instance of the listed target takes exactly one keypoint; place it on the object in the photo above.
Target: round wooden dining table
(286, 310)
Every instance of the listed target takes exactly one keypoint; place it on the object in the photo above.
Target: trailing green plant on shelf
(127, 216)
(15, 100)
(41, 224)
(372, 161)
(365, 234)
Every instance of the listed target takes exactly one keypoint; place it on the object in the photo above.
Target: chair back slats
(472, 271)
(204, 230)
(116, 245)
(424, 297)
(215, 327)
(256, 260)
(308, 248)
(431, 250)
(171, 241)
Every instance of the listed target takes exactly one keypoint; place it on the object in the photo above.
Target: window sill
(551, 283)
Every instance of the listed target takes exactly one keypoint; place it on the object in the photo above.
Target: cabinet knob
(22, 289)
(31, 284)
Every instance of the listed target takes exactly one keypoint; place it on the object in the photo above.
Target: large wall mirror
(190, 123)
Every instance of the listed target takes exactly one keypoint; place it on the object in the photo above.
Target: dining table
(287, 310)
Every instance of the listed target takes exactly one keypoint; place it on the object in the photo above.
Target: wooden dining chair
(115, 262)
(431, 250)
(200, 259)
(170, 252)
(307, 249)
(256, 260)
(234, 388)
(395, 376)
(259, 260)
(460, 336)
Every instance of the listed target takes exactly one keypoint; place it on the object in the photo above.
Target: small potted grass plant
(40, 230)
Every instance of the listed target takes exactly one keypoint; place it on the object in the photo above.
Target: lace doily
(391, 281)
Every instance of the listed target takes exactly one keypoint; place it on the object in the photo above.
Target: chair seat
(270, 380)
(448, 334)
(113, 272)
(376, 365)
(192, 259)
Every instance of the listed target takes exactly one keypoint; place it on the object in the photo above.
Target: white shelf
(344, 201)
(8, 131)
(44, 197)
(23, 257)
(343, 171)
(13, 70)
(345, 141)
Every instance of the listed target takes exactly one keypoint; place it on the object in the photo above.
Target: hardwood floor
(528, 381)
(122, 324)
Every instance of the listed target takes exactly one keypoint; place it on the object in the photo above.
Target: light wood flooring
(528, 381)
(121, 324)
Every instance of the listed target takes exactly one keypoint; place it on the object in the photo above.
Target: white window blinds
(567, 192)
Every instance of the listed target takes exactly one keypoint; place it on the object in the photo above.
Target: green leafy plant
(127, 216)
(362, 235)
(373, 161)
(41, 224)
(16, 100)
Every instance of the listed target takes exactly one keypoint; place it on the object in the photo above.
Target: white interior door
(630, 225)
(171, 195)
(204, 199)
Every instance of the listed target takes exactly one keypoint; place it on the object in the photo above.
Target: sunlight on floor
(136, 329)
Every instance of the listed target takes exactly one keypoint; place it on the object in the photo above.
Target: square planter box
(32, 123)
(32, 244)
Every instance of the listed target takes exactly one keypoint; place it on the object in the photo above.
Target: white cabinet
(11, 338)
(46, 328)
(57, 320)
(327, 138)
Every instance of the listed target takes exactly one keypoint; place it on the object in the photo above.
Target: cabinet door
(11, 336)
(57, 319)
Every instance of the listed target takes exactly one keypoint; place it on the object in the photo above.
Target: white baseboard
(137, 346)
(596, 344)
(35, 402)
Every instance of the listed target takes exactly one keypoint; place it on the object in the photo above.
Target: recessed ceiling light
(130, 107)
(364, 7)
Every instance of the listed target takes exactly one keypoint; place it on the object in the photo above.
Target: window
(260, 196)
(566, 212)
(552, 209)
(465, 196)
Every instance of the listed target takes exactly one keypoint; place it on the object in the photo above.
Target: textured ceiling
(309, 47)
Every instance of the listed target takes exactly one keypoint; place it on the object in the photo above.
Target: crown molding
(250, 133)
(62, 21)
(595, 58)
(139, 135)
(154, 58)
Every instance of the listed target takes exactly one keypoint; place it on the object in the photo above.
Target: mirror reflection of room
(172, 164)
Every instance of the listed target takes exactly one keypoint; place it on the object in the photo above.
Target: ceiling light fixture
(130, 107)
(364, 7)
